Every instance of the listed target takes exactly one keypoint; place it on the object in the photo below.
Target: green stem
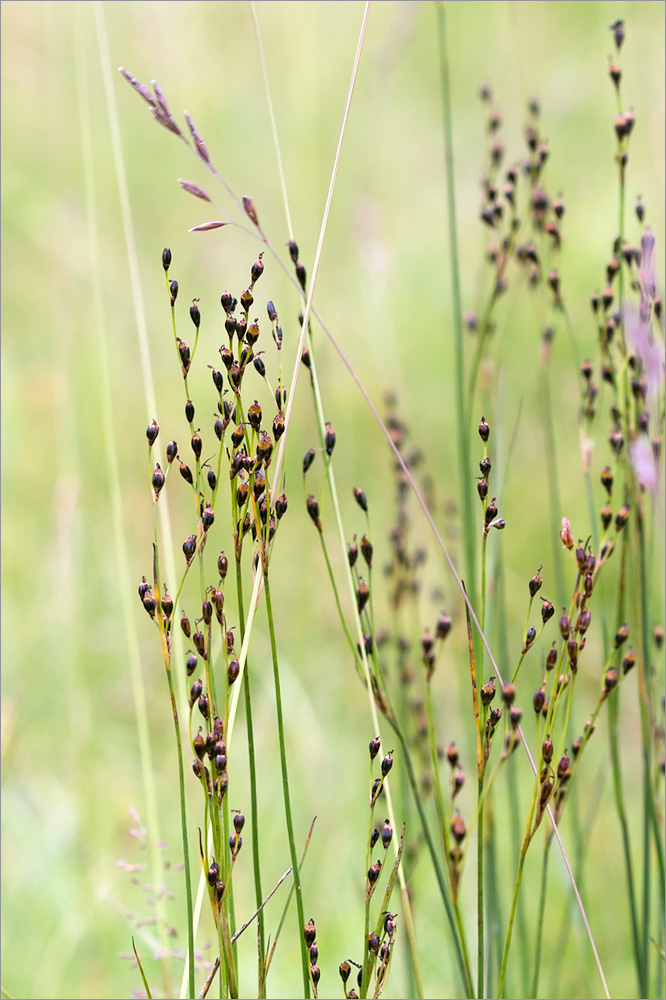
(469, 538)
(519, 874)
(186, 849)
(285, 790)
(542, 909)
(254, 808)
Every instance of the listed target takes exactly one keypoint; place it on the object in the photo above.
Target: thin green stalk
(285, 791)
(120, 541)
(542, 909)
(186, 849)
(467, 505)
(254, 808)
(519, 874)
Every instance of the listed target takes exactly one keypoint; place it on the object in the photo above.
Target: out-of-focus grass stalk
(466, 493)
(111, 448)
(151, 405)
(285, 790)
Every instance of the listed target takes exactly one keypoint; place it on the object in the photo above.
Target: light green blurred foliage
(70, 758)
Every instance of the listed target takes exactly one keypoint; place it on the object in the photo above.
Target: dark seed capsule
(488, 692)
(280, 397)
(360, 498)
(491, 511)
(373, 874)
(257, 269)
(484, 430)
(195, 692)
(281, 506)
(254, 415)
(213, 873)
(173, 289)
(387, 764)
(329, 440)
(166, 258)
(158, 479)
(301, 274)
(191, 664)
(212, 480)
(185, 625)
(535, 583)
(509, 694)
(374, 747)
(628, 661)
(539, 700)
(149, 602)
(314, 955)
(152, 431)
(362, 595)
(222, 565)
(203, 705)
(482, 489)
(313, 510)
(315, 971)
(367, 550)
(196, 445)
(387, 834)
(458, 829)
(310, 933)
(547, 611)
(259, 366)
(239, 822)
(195, 315)
(374, 837)
(345, 971)
(189, 411)
(308, 459)
(547, 750)
(352, 555)
(172, 451)
(233, 671)
(485, 467)
(189, 547)
(186, 473)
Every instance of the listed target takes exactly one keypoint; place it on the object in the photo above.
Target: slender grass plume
(473, 838)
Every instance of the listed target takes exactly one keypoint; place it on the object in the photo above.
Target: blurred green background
(71, 770)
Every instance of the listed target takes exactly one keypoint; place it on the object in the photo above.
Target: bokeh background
(70, 767)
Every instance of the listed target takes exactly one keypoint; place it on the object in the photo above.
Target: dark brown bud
(374, 837)
(362, 595)
(173, 290)
(458, 781)
(158, 480)
(387, 764)
(373, 874)
(547, 750)
(189, 547)
(621, 635)
(458, 829)
(366, 550)
(257, 269)
(233, 670)
(313, 510)
(308, 459)
(185, 625)
(535, 583)
(551, 659)
(530, 636)
(482, 489)
(374, 747)
(509, 694)
(484, 430)
(547, 610)
(563, 767)
(606, 517)
(360, 498)
(539, 700)
(329, 440)
(628, 661)
(387, 834)
(301, 274)
(196, 445)
(485, 467)
(546, 789)
(583, 621)
(443, 626)
(310, 933)
(621, 518)
(254, 415)
(515, 715)
(565, 626)
(488, 692)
